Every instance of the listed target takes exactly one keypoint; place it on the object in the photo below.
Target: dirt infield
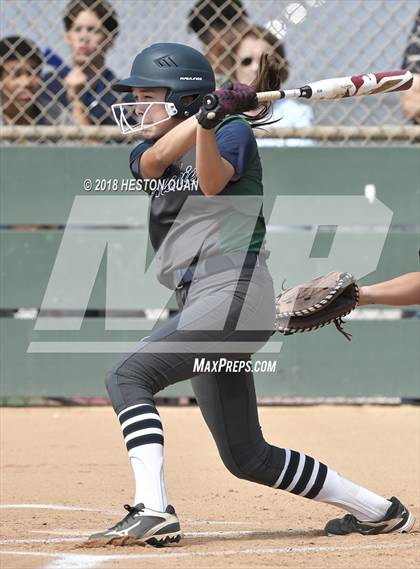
(66, 474)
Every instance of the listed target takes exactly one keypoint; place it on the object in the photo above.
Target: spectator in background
(410, 100)
(23, 100)
(258, 41)
(91, 28)
(219, 25)
(234, 47)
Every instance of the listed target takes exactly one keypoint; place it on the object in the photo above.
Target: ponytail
(273, 71)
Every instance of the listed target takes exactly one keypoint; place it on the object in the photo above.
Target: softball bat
(336, 88)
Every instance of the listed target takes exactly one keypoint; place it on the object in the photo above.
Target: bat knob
(210, 102)
(211, 115)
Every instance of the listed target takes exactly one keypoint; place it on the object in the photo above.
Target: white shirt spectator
(293, 114)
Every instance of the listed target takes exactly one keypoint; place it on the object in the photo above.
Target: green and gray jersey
(182, 229)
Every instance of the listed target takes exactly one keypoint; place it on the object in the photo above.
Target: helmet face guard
(129, 120)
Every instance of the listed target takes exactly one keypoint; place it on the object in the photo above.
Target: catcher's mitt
(314, 304)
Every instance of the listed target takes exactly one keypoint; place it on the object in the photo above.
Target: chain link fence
(59, 59)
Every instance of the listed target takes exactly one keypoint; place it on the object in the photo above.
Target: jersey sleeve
(135, 156)
(236, 144)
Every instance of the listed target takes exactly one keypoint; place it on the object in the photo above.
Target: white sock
(362, 503)
(143, 435)
(147, 463)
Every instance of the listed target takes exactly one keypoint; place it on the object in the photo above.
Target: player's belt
(218, 264)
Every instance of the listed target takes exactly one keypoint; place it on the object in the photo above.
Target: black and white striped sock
(143, 435)
(307, 477)
(301, 474)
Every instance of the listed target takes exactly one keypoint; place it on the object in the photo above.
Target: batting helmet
(184, 71)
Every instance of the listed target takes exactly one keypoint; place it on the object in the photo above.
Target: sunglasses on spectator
(246, 61)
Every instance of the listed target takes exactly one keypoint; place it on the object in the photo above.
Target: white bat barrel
(342, 87)
(359, 85)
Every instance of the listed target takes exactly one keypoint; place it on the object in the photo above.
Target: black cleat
(397, 519)
(142, 525)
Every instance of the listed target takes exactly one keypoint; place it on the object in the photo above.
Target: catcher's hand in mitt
(314, 304)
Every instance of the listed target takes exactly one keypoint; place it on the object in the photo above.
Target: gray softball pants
(218, 314)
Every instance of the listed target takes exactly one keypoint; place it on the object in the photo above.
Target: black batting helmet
(183, 70)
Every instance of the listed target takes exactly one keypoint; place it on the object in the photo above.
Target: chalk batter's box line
(83, 561)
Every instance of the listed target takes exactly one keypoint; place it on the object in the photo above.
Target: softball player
(210, 249)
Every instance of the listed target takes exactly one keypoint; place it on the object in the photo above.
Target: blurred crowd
(79, 92)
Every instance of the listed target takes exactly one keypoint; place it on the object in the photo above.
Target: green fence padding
(394, 171)
(38, 186)
(400, 254)
(381, 360)
(42, 191)
(28, 259)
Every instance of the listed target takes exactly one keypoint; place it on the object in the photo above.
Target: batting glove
(230, 100)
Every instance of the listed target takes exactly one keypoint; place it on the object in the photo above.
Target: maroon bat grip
(237, 98)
